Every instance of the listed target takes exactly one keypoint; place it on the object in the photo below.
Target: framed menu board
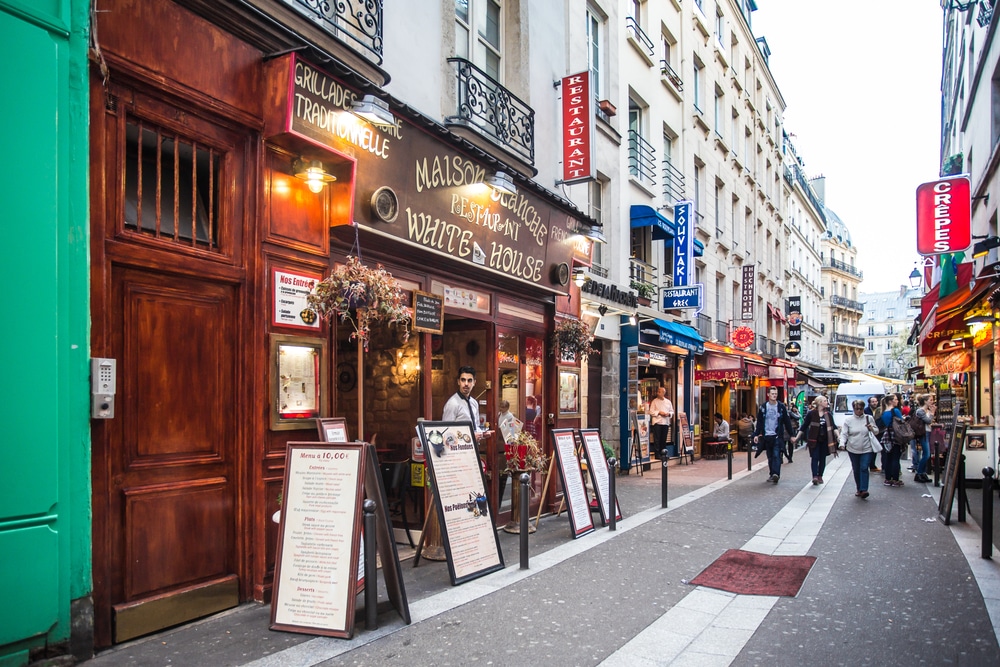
(597, 465)
(687, 440)
(316, 571)
(952, 469)
(468, 524)
(428, 312)
(563, 445)
(332, 429)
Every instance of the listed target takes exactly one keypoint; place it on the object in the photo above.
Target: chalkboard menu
(952, 469)
(428, 312)
(686, 436)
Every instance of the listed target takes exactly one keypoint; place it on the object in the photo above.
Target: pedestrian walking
(921, 422)
(891, 451)
(772, 423)
(873, 410)
(820, 434)
(857, 436)
(795, 419)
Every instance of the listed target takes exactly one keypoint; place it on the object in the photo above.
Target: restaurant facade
(227, 179)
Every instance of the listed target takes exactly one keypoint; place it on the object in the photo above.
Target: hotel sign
(577, 128)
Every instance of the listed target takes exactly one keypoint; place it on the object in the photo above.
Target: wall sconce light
(593, 233)
(313, 173)
(580, 277)
(502, 183)
(602, 309)
(632, 320)
(978, 316)
(373, 110)
(982, 248)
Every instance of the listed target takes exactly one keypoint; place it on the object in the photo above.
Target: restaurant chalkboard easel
(319, 547)
(952, 469)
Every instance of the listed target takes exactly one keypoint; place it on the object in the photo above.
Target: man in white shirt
(462, 406)
(661, 412)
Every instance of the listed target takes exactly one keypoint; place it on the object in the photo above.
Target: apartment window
(720, 103)
(698, 99)
(734, 131)
(871, 331)
(632, 8)
(596, 202)
(477, 33)
(720, 298)
(890, 331)
(720, 29)
(698, 169)
(871, 346)
(890, 314)
(641, 154)
(746, 144)
(734, 209)
(595, 27)
(888, 344)
(719, 221)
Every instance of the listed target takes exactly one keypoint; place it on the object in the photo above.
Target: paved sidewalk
(888, 586)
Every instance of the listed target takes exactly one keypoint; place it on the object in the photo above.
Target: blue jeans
(860, 464)
(817, 457)
(890, 462)
(774, 447)
(925, 455)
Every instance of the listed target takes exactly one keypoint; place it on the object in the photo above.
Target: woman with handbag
(820, 435)
(857, 436)
(890, 459)
(922, 421)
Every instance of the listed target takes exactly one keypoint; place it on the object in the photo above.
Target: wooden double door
(168, 299)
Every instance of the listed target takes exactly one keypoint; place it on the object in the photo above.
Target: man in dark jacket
(772, 424)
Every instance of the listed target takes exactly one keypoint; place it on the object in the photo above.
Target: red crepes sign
(577, 128)
(944, 216)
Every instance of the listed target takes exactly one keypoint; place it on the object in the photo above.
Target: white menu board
(290, 298)
(563, 445)
(316, 573)
(597, 464)
(468, 527)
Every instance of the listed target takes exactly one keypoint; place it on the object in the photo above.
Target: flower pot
(643, 301)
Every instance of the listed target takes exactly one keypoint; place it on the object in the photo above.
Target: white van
(848, 392)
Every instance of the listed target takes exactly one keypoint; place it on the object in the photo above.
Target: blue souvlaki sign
(683, 243)
(684, 298)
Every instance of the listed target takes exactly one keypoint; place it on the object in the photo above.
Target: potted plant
(571, 339)
(524, 455)
(363, 296)
(645, 291)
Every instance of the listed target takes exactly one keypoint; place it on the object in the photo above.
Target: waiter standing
(462, 407)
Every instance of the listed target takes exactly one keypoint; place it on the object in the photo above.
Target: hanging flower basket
(571, 338)
(524, 454)
(363, 296)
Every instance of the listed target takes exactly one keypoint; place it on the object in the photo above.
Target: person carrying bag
(857, 436)
(891, 419)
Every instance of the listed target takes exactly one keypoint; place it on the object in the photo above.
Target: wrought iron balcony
(487, 107)
(853, 341)
(704, 326)
(358, 23)
(638, 35)
(843, 266)
(850, 304)
(641, 158)
(670, 75)
(673, 183)
(722, 331)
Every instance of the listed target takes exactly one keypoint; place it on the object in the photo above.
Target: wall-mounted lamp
(978, 316)
(632, 320)
(313, 173)
(579, 277)
(374, 110)
(982, 248)
(602, 309)
(593, 233)
(502, 183)
(915, 278)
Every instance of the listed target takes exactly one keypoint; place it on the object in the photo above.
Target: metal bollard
(729, 459)
(525, 479)
(988, 473)
(613, 498)
(750, 446)
(664, 459)
(371, 566)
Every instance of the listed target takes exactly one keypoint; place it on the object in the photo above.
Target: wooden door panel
(174, 535)
(182, 384)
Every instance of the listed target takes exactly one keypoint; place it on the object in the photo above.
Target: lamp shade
(501, 182)
(373, 110)
(313, 173)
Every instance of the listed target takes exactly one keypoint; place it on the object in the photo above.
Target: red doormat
(750, 573)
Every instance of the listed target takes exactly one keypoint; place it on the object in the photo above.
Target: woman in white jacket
(854, 437)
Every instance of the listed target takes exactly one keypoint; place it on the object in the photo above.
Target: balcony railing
(641, 158)
(492, 110)
(355, 22)
(638, 35)
(668, 72)
(843, 266)
(704, 326)
(673, 183)
(853, 341)
(722, 331)
(850, 304)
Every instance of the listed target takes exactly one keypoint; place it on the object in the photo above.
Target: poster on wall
(289, 298)
(597, 466)
(468, 523)
(564, 448)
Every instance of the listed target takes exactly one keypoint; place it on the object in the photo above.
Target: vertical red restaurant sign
(577, 128)
(944, 216)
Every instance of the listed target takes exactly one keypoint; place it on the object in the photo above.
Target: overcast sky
(861, 83)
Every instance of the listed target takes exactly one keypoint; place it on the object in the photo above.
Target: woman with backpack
(921, 422)
(892, 451)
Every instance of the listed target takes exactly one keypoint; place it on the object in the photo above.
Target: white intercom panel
(102, 388)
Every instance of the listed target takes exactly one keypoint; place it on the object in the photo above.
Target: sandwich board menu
(597, 465)
(468, 524)
(563, 446)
